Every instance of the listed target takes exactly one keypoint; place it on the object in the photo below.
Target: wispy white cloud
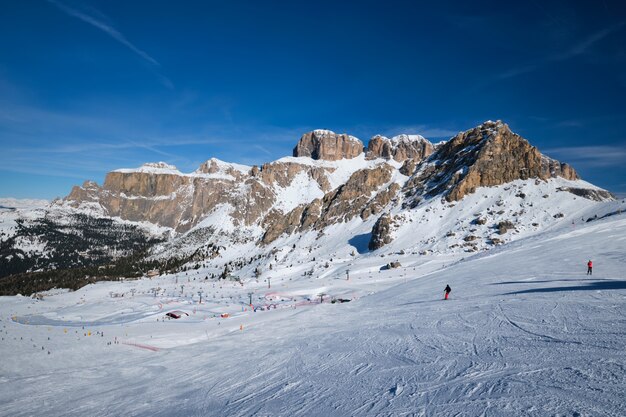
(570, 123)
(428, 132)
(107, 28)
(72, 132)
(514, 72)
(86, 145)
(434, 132)
(590, 156)
(262, 149)
(573, 51)
(586, 44)
(151, 144)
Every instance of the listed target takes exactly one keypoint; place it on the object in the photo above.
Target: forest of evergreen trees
(77, 251)
(74, 278)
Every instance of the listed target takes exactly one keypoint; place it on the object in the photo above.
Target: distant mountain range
(482, 188)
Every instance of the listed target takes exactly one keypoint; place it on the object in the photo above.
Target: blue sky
(88, 87)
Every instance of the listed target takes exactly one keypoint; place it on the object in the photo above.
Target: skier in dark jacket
(446, 292)
(589, 267)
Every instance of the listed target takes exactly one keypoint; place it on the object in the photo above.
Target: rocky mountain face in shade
(485, 156)
(381, 232)
(330, 181)
(484, 187)
(328, 146)
(399, 148)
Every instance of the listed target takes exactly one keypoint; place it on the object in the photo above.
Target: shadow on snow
(592, 286)
(551, 280)
(361, 242)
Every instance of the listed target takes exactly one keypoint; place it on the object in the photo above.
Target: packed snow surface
(526, 332)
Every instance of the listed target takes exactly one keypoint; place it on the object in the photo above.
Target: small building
(176, 314)
(152, 273)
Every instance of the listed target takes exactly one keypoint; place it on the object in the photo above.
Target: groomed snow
(525, 332)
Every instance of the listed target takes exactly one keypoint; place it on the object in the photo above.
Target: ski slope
(525, 332)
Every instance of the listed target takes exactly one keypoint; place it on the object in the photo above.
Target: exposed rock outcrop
(293, 196)
(504, 226)
(351, 198)
(595, 195)
(392, 265)
(327, 145)
(381, 232)
(408, 167)
(86, 193)
(485, 156)
(276, 223)
(144, 196)
(380, 201)
(282, 173)
(553, 168)
(215, 166)
(166, 197)
(360, 195)
(399, 148)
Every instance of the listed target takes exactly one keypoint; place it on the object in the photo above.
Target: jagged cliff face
(166, 197)
(381, 233)
(329, 181)
(399, 148)
(366, 192)
(163, 196)
(485, 156)
(327, 145)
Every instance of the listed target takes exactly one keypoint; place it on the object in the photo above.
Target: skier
(446, 292)
(589, 267)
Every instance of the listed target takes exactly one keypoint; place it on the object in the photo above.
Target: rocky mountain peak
(152, 168)
(484, 187)
(158, 165)
(399, 148)
(328, 145)
(487, 155)
(407, 138)
(216, 166)
(483, 132)
(293, 195)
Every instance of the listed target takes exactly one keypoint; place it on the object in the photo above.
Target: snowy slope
(448, 230)
(526, 332)
(21, 203)
(471, 224)
(13, 209)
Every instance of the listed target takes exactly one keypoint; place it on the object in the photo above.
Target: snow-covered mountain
(333, 268)
(525, 333)
(482, 188)
(21, 203)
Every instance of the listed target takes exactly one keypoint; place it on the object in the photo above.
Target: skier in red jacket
(446, 292)
(589, 267)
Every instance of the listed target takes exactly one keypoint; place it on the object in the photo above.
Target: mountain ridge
(484, 187)
(331, 179)
(123, 186)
